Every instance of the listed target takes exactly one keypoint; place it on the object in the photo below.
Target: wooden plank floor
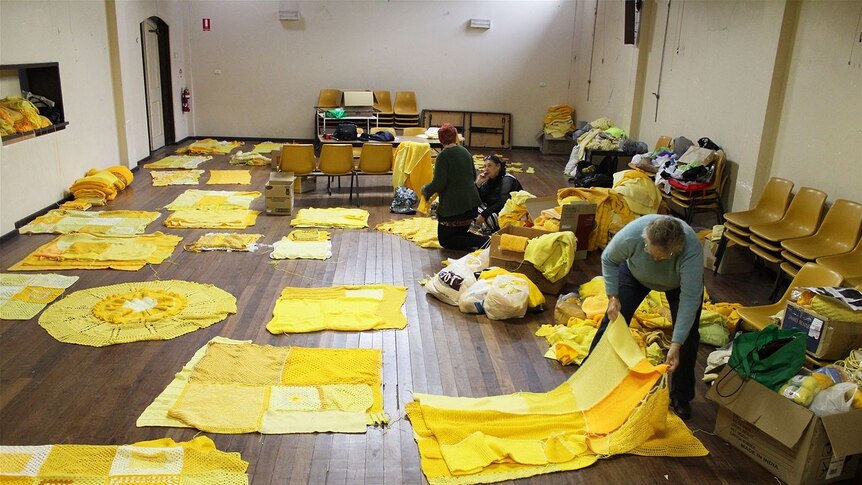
(52, 392)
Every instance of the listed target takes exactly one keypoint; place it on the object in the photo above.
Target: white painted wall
(819, 142)
(272, 71)
(35, 173)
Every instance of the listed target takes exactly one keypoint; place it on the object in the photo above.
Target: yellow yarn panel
(178, 161)
(64, 221)
(221, 408)
(308, 235)
(144, 305)
(295, 249)
(229, 177)
(176, 177)
(224, 241)
(348, 308)
(420, 230)
(79, 459)
(213, 199)
(266, 147)
(210, 146)
(212, 219)
(332, 217)
(23, 296)
(38, 294)
(246, 364)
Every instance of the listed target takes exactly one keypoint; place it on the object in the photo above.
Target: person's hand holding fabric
(613, 308)
(672, 359)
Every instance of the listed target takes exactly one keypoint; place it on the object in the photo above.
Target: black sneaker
(681, 408)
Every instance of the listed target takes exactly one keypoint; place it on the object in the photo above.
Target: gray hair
(665, 232)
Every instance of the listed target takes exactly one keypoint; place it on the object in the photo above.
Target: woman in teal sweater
(661, 253)
(454, 181)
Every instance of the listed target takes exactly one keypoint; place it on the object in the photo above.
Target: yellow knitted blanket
(213, 199)
(99, 251)
(224, 241)
(229, 177)
(231, 386)
(208, 146)
(164, 178)
(333, 217)
(177, 161)
(420, 230)
(162, 461)
(62, 221)
(23, 296)
(212, 218)
(617, 402)
(267, 147)
(131, 312)
(303, 244)
(348, 308)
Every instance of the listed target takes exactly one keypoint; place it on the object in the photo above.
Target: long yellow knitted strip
(61, 221)
(96, 251)
(348, 308)
(177, 161)
(332, 217)
(164, 178)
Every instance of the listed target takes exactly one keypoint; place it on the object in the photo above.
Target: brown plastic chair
(379, 129)
(801, 219)
(383, 102)
(329, 98)
(758, 317)
(770, 207)
(414, 131)
(375, 159)
(336, 160)
(297, 158)
(708, 199)
(838, 234)
(405, 104)
(848, 265)
(664, 142)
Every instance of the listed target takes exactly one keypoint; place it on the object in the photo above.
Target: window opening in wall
(31, 101)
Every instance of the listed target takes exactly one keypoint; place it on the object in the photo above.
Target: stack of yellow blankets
(212, 209)
(558, 121)
(131, 312)
(231, 386)
(224, 241)
(334, 217)
(22, 296)
(17, 115)
(349, 308)
(100, 186)
(420, 230)
(99, 251)
(176, 177)
(60, 221)
(208, 146)
(616, 403)
(303, 244)
(178, 161)
(156, 462)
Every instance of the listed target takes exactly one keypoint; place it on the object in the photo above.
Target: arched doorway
(155, 43)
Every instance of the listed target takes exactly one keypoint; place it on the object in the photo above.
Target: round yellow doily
(130, 312)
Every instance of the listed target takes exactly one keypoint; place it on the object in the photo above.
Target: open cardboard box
(785, 438)
(825, 339)
(514, 261)
(578, 217)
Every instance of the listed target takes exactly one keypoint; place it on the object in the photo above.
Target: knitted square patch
(245, 364)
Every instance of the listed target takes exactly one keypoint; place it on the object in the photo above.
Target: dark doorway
(155, 45)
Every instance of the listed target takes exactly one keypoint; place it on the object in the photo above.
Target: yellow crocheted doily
(130, 312)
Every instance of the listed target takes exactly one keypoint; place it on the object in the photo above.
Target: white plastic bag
(507, 298)
(473, 298)
(834, 400)
(449, 282)
(475, 263)
(568, 306)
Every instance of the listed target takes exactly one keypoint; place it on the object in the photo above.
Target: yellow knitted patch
(246, 364)
(143, 305)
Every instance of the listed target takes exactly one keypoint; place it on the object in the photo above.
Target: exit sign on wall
(205, 24)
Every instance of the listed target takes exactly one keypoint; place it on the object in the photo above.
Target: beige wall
(819, 140)
(35, 173)
(272, 71)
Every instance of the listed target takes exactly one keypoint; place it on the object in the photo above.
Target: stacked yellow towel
(100, 186)
(558, 121)
(212, 218)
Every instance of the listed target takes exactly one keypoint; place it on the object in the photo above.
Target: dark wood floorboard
(52, 392)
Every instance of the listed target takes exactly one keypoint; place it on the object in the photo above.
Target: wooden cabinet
(480, 129)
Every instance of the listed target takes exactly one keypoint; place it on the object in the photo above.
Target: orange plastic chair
(801, 219)
(336, 160)
(375, 159)
(297, 158)
(848, 265)
(405, 104)
(383, 102)
(770, 207)
(664, 142)
(414, 131)
(329, 98)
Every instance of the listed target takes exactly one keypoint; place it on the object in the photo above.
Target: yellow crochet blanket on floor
(350, 308)
(231, 386)
(420, 230)
(213, 200)
(164, 178)
(229, 177)
(617, 402)
(62, 221)
(224, 241)
(209, 146)
(177, 161)
(98, 251)
(212, 219)
(155, 462)
(23, 296)
(131, 312)
(333, 217)
(267, 147)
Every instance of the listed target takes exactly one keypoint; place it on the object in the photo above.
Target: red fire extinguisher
(186, 96)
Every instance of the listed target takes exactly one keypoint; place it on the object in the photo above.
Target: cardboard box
(827, 339)
(736, 259)
(358, 98)
(278, 194)
(514, 261)
(787, 439)
(578, 217)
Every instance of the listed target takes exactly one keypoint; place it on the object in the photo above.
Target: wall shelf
(42, 78)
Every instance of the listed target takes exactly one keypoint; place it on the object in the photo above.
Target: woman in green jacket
(454, 182)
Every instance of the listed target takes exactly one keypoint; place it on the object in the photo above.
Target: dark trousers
(631, 294)
(459, 237)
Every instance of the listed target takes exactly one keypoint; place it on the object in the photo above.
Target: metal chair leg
(778, 278)
(719, 253)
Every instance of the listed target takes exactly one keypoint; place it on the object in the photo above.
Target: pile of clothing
(612, 213)
(558, 121)
(17, 115)
(600, 134)
(250, 158)
(100, 186)
(686, 166)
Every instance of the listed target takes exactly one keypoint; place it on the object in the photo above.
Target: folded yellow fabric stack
(514, 211)
(213, 200)
(267, 147)
(612, 212)
(303, 244)
(99, 251)
(100, 186)
(638, 190)
(131, 312)
(61, 221)
(558, 122)
(231, 386)
(164, 178)
(212, 219)
(23, 296)
(161, 461)
(229, 177)
(178, 161)
(420, 230)
(349, 308)
(209, 146)
(333, 217)
(224, 241)
(17, 115)
(250, 158)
